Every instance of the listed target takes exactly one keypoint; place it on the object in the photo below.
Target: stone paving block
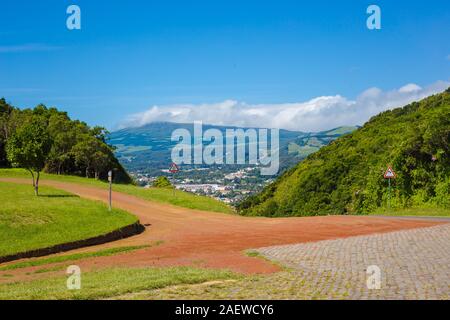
(414, 264)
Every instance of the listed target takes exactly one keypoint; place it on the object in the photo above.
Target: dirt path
(216, 240)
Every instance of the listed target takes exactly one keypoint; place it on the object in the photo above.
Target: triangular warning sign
(174, 168)
(390, 174)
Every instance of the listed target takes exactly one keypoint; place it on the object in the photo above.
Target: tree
(29, 148)
(64, 136)
(162, 182)
(100, 162)
(5, 112)
(84, 151)
(76, 148)
(93, 154)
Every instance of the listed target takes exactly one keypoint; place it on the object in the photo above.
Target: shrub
(162, 182)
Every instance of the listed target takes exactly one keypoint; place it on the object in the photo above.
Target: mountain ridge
(138, 148)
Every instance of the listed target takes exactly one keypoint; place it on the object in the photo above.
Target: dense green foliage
(45, 138)
(6, 126)
(162, 182)
(56, 217)
(346, 177)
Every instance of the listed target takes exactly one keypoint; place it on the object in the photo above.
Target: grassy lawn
(275, 286)
(28, 222)
(181, 198)
(108, 283)
(73, 257)
(414, 212)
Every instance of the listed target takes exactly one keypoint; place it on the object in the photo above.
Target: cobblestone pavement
(414, 264)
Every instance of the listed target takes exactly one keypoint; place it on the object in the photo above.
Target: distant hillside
(148, 148)
(346, 177)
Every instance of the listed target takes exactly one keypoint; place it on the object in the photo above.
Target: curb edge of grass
(121, 233)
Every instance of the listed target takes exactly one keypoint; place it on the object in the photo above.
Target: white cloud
(317, 114)
(30, 47)
(411, 87)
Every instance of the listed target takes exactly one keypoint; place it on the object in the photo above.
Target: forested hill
(346, 177)
(66, 146)
(148, 148)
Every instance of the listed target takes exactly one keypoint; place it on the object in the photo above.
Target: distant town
(229, 187)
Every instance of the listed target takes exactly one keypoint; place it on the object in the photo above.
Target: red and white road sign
(174, 168)
(390, 174)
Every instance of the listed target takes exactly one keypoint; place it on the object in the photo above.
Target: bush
(162, 182)
(442, 198)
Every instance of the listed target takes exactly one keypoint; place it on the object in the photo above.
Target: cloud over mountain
(317, 114)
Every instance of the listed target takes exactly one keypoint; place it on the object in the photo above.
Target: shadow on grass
(58, 196)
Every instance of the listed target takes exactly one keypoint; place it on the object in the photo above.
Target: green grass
(342, 130)
(302, 151)
(74, 257)
(49, 269)
(181, 198)
(255, 254)
(109, 283)
(252, 254)
(414, 212)
(121, 148)
(28, 222)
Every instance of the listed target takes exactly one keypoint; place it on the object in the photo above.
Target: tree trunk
(32, 176)
(36, 187)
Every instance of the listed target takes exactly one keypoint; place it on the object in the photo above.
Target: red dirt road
(216, 240)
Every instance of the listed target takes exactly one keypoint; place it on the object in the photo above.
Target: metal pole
(389, 195)
(173, 194)
(110, 196)
(110, 189)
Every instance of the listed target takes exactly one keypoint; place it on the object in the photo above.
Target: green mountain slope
(148, 149)
(346, 177)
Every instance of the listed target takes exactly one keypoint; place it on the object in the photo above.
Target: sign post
(389, 174)
(174, 169)
(110, 189)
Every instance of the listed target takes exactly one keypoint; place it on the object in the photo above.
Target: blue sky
(131, 55)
